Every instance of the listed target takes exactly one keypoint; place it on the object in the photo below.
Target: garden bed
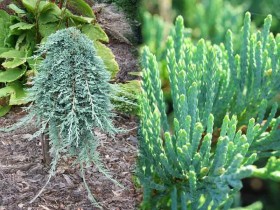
(23, 173)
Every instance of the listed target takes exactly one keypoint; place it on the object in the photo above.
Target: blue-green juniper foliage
(190, 164)
(71, 95)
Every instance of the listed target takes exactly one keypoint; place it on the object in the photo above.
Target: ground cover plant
(197, 159)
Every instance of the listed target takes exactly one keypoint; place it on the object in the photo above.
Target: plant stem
(46, 150)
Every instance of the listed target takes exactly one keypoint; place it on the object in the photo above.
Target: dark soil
(23, 174)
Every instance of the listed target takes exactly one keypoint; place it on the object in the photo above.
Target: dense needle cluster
(190, 163)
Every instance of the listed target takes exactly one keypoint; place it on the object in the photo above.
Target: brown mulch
(123, 39)
(23, 174)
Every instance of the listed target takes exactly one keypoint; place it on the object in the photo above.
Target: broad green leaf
(95, 32)
(20, 40)
(13, 54)
(47, 29)
(4, 110)
(11, 75)
(30, 5)
(81, 7)
(44, 6)
(30, 43)
(14, 63)
(22, 26)
(14, 58)
(47, 18)
(4, 49)
(19, 95)
(80, 19)
(37, 6)
(5, 23)
(49, 14)
(6, 91)
(4, 15)
(16, 92)
(108, 58)
(16, 9)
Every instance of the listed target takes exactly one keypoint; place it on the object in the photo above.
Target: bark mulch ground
(23, 174)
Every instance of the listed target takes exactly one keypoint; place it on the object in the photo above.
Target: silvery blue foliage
(71, 99)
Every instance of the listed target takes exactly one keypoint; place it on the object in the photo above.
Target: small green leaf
(4, 110)
(4, 15)
(34, 63)
(13, 63)
(16, 9)
(14, 58)
(11, 75)
(13, 54)
(108, 58)
(47, 29)
(80, 19)
(135, 73)
(21, 26)
(30, 5)
(81, 7)
(5, 22)
(44, 6)
(6, 91)
(18, 95)
(95, 32)
(50, 14)
(4, 49)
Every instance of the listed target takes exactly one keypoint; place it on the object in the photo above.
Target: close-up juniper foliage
(197, 159)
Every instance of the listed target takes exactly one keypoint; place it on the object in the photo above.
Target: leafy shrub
(31, 23)
(190, 164)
